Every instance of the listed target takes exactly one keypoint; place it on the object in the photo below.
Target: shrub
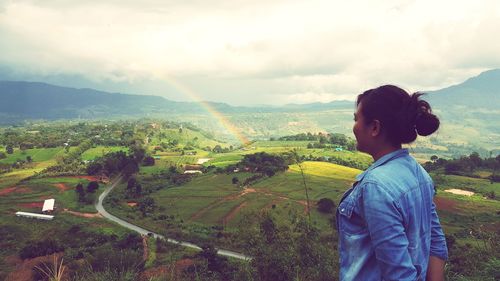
(148, 161)
(326, 205)
(92, 186)
(40, 248)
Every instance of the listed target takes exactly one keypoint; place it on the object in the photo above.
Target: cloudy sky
(248, 52)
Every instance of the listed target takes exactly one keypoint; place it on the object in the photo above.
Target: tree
(147, 205)
(81, 192)
(94, 168)
(9, 149)
(138, 189)
(475, 160)
(138, 153)
(92, 186)
(29, 159)
(148, 161)
(131, 184)
(130, 168)
(434, 158)
(3, 155)
(235, 180)
(326, 205)
(491, 195)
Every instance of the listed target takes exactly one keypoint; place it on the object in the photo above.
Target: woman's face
(361, 130)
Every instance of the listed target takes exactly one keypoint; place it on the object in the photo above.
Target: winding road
(143, 231)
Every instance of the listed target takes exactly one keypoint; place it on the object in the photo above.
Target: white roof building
(192, 172)
(34, 216)
(48, 205)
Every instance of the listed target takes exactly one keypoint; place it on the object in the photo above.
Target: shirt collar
(382, 160)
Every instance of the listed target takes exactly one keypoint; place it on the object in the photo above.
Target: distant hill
(26, 100)
(40, 100)
(482, 91)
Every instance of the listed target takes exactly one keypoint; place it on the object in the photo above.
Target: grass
(285, 144)
(99, 151)
(480, 185)
(211, 199)
(37, 154)
(185, 136)
(151, 252)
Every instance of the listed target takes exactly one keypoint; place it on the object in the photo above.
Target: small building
(339, 149)
(156, 157)
(48, 205)
(34, 216)
(192, 172)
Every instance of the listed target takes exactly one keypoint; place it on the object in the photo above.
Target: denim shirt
(387, 222)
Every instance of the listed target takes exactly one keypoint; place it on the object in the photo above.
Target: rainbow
(223, 120)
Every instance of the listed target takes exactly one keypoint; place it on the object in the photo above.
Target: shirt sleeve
(438, 240)
(384, 221)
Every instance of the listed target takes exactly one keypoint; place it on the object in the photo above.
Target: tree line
(466, 165)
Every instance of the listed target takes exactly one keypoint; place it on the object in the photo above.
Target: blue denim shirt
(387, 222)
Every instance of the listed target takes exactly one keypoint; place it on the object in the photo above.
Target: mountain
(480, 92)
(27, 100)
(41, 100)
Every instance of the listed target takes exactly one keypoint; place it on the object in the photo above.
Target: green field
(100, 151)
(28, 196)
(37, 154)
(211, 199)
(208, 208)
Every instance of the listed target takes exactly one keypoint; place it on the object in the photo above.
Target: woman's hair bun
(426, 123)
(403, 116)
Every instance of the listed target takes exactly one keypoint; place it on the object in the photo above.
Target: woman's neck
(379, 153)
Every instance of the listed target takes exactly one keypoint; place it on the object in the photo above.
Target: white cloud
(255, 51)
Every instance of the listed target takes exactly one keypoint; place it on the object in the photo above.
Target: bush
(40, 248)
(326, 205)
(92, 186)
(120, 260)
(148, 161)
(292, 250)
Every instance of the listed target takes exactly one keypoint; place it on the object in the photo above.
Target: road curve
(143, 231)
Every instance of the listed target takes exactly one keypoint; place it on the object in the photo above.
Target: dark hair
(402, 116)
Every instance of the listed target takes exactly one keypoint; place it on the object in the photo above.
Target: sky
(249, 52)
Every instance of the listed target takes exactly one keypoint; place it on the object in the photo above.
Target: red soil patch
(445, 204)
(181, 265)
(132, 204)
(62, 187)
(23, 270)
(83, 215)
(7, 190)
(229, 216)
(31, 205)
(155, 272)
(15, 189)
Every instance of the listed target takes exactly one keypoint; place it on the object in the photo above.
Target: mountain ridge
(26, 99)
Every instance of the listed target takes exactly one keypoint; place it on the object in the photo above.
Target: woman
(387, 222)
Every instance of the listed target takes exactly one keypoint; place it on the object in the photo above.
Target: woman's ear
(375, 128)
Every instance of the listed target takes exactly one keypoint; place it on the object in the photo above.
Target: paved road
(143, 231)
